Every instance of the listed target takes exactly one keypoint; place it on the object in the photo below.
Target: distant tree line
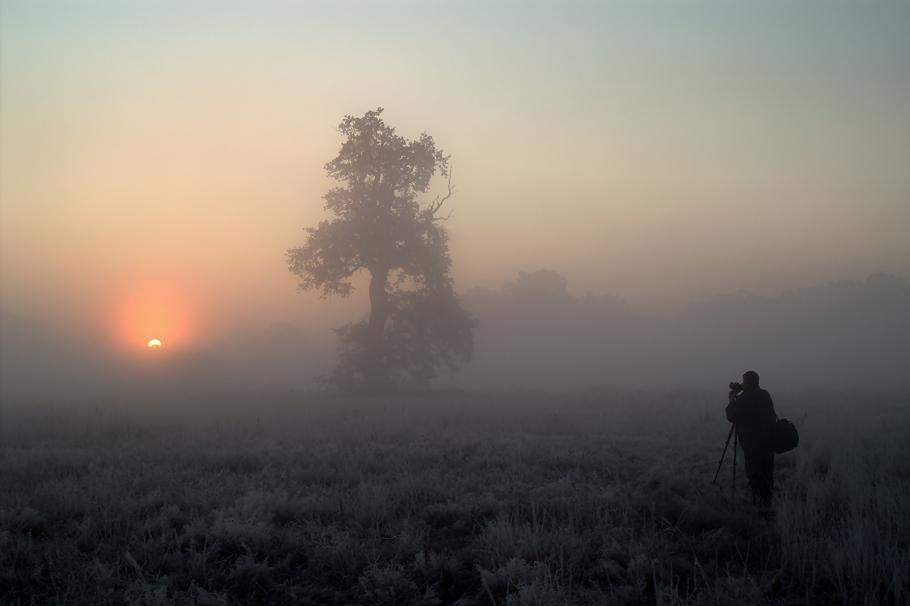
(535, 333)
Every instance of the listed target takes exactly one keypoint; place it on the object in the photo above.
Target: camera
(736, 386)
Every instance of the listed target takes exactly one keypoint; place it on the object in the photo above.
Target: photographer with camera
(752, 412)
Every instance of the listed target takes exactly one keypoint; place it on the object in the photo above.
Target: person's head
(750, 379)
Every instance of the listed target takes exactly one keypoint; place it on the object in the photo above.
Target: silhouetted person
(753, 413)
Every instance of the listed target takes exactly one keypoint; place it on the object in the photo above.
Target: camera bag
(784, 436)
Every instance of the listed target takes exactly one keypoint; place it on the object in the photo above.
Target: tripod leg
(721, 462)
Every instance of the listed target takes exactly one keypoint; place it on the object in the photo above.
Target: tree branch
(437, 203)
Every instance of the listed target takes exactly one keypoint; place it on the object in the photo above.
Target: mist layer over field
(532, 333)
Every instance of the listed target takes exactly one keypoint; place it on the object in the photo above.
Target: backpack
(784, 436)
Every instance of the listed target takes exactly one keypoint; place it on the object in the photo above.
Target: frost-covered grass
(600, 497)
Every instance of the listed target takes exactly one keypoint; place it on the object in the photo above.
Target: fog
(646, 195)
(533, 333)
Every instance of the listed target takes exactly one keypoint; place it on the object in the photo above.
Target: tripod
(721, 462)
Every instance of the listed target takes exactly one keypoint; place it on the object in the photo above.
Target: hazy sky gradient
(158, 159)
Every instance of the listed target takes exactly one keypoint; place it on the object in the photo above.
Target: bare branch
(446, 218)
(437, 203)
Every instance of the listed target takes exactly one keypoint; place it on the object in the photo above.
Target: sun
(155, 309)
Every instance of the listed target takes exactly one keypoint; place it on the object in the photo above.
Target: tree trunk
(375, 373)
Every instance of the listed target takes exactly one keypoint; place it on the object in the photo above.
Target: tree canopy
(416, 322)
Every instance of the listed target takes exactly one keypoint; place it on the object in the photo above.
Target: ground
(595, 497)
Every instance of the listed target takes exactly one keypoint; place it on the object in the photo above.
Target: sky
(157, 159)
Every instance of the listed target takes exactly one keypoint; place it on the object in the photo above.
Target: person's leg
(767, 477)
(754, 473)
(769, 474)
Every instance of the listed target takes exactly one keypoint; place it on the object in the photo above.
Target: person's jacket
(753, 413)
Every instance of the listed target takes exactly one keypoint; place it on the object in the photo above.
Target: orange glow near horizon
(154, 315)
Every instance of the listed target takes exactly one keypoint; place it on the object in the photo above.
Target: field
(595, 497)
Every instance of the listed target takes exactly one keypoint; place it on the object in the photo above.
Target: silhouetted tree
(416, 322)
